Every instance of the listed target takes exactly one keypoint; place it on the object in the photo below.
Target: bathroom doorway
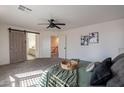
(54, 46)
(31, 46)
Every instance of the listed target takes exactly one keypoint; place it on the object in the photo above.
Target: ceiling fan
(52, 24)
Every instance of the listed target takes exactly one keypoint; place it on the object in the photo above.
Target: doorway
(54, 46)
(31, 46)
(24, 45)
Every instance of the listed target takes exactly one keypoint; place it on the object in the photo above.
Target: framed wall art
(84, 40)
(94, 37)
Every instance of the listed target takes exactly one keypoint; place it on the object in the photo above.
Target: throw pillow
(102, 73)
(92, 66)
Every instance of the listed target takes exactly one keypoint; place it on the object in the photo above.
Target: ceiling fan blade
(59, 23)
(49, 21)
(57, 27)
(43, 24)
(47, 27)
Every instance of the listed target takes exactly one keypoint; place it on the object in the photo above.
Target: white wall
(4, 45)
(111, 36)
(62, 45)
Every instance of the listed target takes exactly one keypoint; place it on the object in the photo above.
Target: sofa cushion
(118, 72)
(102, 73)
(118, 69)
(114, 82)
(118, 57)
(121, 76)
(118, 66)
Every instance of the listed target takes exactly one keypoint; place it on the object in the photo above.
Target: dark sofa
(118, 72)
(109, 72)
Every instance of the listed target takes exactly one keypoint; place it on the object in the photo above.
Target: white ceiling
(73, 15)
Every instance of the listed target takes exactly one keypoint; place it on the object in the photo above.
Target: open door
(31, 46)
(54, 46)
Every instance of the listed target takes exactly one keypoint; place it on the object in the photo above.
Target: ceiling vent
(23, 8)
